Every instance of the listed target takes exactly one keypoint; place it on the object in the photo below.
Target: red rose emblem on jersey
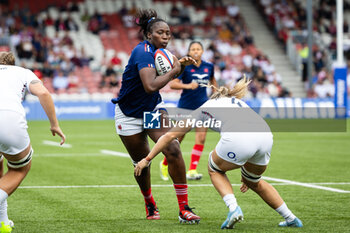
(206, 70)
(119, 127)
(192, 71)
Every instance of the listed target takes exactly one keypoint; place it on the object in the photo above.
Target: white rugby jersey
(14, 82)
(231, 115)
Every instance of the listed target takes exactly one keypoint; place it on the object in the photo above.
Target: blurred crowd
(231, 50)
(54, 60)
(288, 15)
(63, 66)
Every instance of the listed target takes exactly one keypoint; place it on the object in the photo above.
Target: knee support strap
(23, 162)
(213, 166)
(250, 176)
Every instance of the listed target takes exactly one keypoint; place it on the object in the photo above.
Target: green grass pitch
(302, 157)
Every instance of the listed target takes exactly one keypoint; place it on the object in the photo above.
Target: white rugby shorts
(239, 148)
(14, 137)
(127, 126)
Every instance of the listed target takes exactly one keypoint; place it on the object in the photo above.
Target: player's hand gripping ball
(164, 61)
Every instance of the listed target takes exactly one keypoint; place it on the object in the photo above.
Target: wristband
(148, 159)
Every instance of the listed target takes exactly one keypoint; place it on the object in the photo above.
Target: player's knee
(20, 171)
(172, 151)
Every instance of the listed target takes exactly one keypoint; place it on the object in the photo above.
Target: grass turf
(302, 157)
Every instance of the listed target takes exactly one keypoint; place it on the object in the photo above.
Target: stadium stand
(288, 22)
(79, 48)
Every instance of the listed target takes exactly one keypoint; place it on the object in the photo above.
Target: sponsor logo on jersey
(201, 81)
(231, 155)
(200, 76)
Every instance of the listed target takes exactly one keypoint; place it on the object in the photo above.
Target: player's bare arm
(186, 61)
(214, 83)
(37, 88)
(151, 82)
(162, 142)
(176, 84)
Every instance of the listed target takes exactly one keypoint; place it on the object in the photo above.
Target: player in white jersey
(14, 139)
(245, 143)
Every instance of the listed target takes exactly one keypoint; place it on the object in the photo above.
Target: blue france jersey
(193, 99)
(133, 99)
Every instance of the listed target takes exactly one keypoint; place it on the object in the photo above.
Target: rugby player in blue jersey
(140, 93)
(245, 143)
(192, 97)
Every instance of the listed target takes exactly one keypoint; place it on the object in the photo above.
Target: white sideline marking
(306, 185)
(121, 154)
(332, 183)
(155, 185)
(106, 152)
(65, 154)
(52, 143)
(120, 186)
(115, 153)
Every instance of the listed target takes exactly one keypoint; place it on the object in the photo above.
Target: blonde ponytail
(238, 91)
(7, 58)
(219, 92)
(241, 88)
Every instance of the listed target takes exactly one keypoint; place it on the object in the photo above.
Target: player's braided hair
(7, 58)
(146, 18)
(238, 91)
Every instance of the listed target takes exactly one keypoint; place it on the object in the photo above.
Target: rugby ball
(163, 60)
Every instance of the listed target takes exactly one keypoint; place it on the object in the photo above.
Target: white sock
(3, 207)
(285, 212)
(230, 201)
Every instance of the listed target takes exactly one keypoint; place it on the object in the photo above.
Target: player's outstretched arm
(244, 188)
(214, 83)
(162, 142)
(38, 89)
(186, 61)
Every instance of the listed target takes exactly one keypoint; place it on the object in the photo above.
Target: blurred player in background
(239, 147)
(192, 97)
(140, 93)
(14, 139)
